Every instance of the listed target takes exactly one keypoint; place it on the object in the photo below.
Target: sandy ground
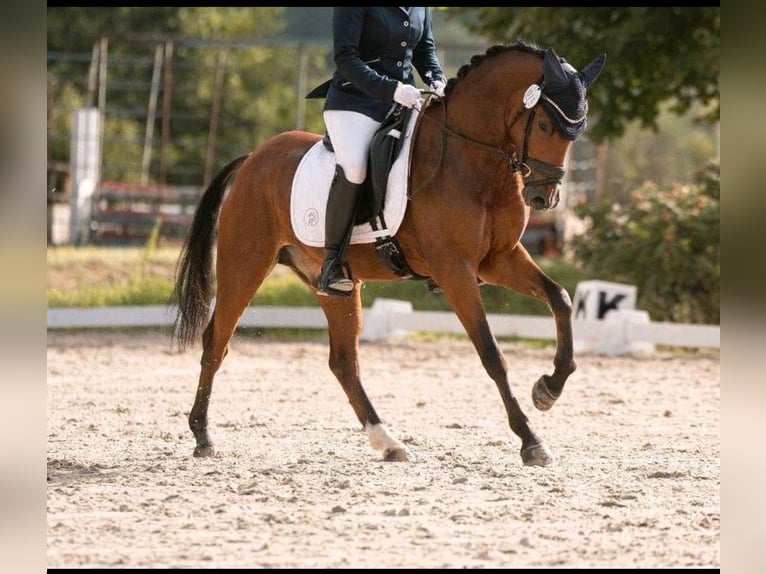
(635, 481)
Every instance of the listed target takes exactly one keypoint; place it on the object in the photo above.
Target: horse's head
(556, 109)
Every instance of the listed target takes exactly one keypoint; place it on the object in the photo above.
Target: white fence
(620, 332)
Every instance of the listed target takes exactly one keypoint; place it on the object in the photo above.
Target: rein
(525, 165)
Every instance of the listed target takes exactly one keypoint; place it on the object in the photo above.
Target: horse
(492, 148)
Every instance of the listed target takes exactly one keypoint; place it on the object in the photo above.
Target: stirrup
(344, 286)
(433, 287)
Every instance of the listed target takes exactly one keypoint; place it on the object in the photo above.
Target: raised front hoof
(396, 455)
(542, 397)
(204, 451)
(536, 455)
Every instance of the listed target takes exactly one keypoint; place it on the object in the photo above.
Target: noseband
(527, 165)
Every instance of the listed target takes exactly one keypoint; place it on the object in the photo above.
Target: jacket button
(403, 44)
(406, 23)
(399, 64)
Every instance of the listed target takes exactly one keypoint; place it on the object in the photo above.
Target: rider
(375, 49)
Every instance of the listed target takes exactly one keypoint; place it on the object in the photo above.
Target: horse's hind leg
(518, 271)
(344, 321)
(237, 283)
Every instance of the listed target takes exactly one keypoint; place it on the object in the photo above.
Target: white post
(592, 301)
(85, 158)
(618, 338)
(381, 322)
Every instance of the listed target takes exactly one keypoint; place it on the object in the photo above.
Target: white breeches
(351, 134)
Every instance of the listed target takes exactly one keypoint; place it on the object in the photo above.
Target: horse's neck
(474, 117)
(441, 145)
(480, 105)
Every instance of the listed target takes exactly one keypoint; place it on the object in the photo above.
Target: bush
(667, 243)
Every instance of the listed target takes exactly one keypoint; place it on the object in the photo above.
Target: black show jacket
(374, 49)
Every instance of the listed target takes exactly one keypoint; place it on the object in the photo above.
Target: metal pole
(52, 87)
(303, 64)
(167, 93)
(92, 74)
(220, 69)
(151, 115)
(102, 76)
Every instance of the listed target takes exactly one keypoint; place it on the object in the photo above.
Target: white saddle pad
(311, 187)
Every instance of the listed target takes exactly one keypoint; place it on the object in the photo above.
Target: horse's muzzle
(541, 197)
(541, 194)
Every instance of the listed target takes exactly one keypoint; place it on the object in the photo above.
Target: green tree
(202, 33)
(75, 29)
(258, 95)
(654, 55)
(671, 154)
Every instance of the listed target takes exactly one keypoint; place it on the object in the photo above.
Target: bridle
(523, 163)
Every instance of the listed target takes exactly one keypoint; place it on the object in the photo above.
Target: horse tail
(194, 270)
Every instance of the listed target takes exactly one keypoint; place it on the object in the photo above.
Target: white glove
(438, 87)
(407, 95)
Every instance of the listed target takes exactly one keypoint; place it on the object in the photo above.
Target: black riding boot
(341, 209)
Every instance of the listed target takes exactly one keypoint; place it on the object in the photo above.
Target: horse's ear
(592, 70)
(553, 72)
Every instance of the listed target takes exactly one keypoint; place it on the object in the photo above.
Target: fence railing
(618, 334)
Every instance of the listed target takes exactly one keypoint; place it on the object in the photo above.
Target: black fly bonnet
(562, 92)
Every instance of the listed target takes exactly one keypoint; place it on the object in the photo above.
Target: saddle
(384, 149)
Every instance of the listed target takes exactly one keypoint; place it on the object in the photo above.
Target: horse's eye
(542, 125)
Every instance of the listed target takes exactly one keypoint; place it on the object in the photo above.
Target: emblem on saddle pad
(311, 217)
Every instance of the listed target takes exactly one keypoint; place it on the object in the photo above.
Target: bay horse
(490, 150)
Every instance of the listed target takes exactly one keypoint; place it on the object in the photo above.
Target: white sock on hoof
(380, 439)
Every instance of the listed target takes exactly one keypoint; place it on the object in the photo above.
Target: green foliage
(229, 23)
(137, 290)
(76, 28)
(666, 242)
(258, 98)
(654, 55)
(122, 160)
(68, 99)
(672, 154)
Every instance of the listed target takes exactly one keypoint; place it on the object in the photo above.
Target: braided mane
(477, 59)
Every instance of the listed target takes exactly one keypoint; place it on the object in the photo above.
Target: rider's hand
(438, 87)
(407, 95)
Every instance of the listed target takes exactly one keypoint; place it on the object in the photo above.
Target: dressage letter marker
(594, 299)
(600, 308)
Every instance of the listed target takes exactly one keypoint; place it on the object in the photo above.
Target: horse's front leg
(462, 290)
(517, 271)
